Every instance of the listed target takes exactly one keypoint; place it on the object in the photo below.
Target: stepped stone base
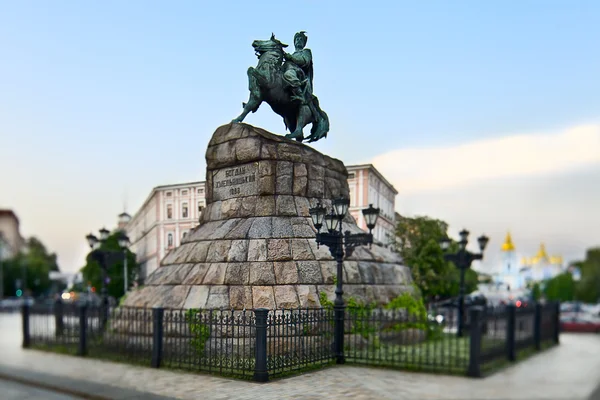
(255, 246)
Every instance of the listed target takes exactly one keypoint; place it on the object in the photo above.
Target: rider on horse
(287, 88)
(299, 70)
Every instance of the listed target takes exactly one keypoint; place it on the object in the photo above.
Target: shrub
(200, 331)
(417, 316)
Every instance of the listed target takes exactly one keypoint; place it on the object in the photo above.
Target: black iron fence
(504, 333)
(262, 344)
(397, 339)
(298, 340)
(214, 341)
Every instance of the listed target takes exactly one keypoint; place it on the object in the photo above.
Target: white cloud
(541, 187)
(414, 170)
(560, 210)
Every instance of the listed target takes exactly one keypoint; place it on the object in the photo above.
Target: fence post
(511, 314)
(260, 369)
(338, 330)
(556, 322)
(82, 350)
(476, 328)
(58, 317)
(25, 311)
(537, 326)
(157, 337)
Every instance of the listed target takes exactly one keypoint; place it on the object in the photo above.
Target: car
(15, 303)
(580, 323)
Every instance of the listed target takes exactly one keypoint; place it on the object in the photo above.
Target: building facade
(166, 216)
(11, 240)
(171, 211)
(368, 186)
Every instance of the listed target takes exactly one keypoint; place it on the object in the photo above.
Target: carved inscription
(235, 182)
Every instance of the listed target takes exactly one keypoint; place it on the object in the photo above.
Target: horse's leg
(304, 118)
(255, 97)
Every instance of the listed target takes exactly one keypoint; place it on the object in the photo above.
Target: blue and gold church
(517, 273)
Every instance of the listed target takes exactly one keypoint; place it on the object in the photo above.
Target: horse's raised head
(273, 44)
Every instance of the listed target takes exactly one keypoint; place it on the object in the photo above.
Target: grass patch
(70, 350)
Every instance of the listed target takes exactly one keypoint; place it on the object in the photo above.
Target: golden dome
(508, 244)
(556, 260)
(541, 254)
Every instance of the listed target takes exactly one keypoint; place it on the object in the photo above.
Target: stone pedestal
(255, 246)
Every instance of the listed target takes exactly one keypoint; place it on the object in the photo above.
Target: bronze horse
(266, 83)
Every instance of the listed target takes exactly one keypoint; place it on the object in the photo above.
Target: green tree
(31, 270)
(560, 288)
(92, 271)
(588, 289)
(417, 242)
(536, 291)
(453, 278)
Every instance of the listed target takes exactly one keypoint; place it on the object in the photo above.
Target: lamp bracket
(358, 239)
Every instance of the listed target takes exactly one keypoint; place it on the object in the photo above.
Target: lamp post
(124, 220)
(340, 244)
(104, 257)
(463, 260)
(124, 243)
(25, 252)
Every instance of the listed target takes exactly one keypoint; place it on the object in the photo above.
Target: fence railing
(262, 344)
(503, 333)
(394, 338)
(298, 340)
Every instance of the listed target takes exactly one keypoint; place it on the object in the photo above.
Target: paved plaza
(569, 371)
(16, 391)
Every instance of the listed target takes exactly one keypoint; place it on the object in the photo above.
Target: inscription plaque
(236, 181)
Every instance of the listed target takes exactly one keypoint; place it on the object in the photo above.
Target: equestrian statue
(285, 82)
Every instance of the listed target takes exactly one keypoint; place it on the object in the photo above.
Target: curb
(73, 387)
(595, 394)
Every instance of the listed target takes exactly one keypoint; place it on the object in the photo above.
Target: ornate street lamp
(25, 252)
(124, 219)
(105, 257)
(124, 244)
(463, 260)
(340, 244)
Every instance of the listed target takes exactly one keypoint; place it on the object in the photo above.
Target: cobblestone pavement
(569, 371)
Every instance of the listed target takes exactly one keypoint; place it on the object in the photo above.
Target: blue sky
(101, 101)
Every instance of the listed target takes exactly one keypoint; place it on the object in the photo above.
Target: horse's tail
(321, 126)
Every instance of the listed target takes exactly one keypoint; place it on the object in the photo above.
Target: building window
(184, 210)
(184, 192)
(169, 194)
(170, 240)
(183, 235)
(351, 176)
(201, 191)
(200, 207)
(169, 211)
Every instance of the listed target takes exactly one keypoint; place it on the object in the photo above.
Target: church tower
(510, 266)
(542, 266)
